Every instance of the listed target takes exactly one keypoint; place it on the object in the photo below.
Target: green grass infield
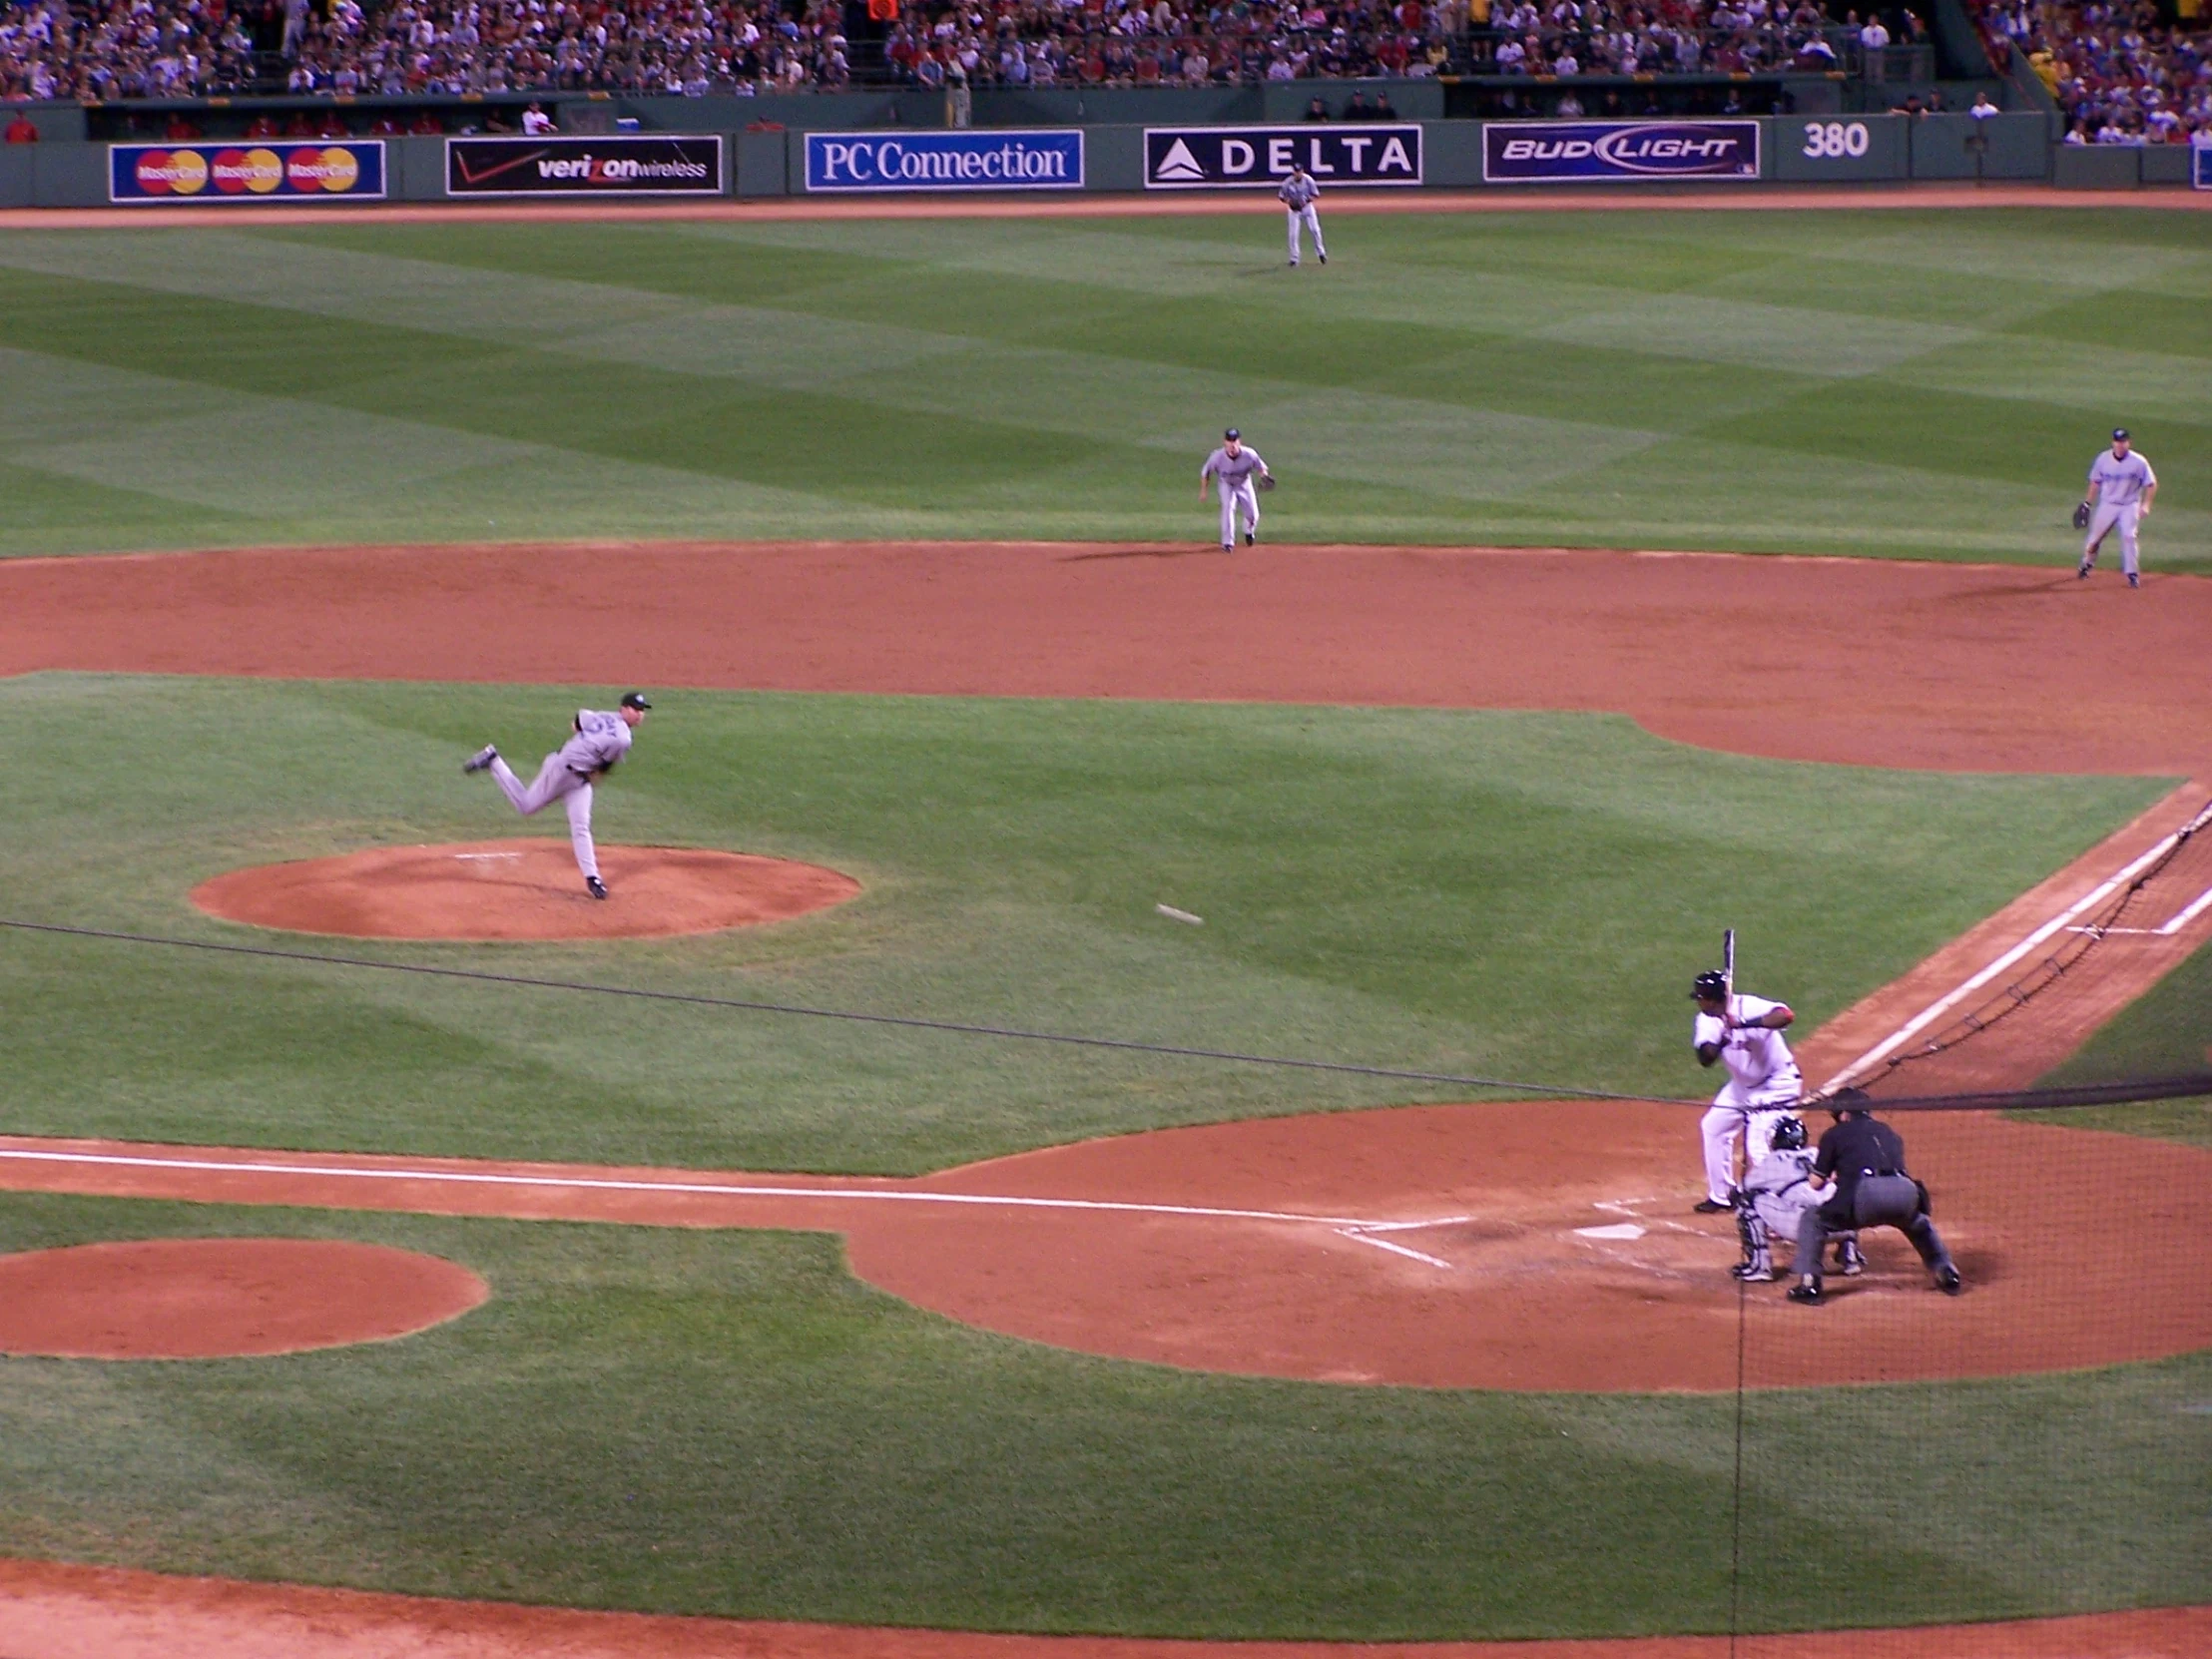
(1513, 895)
(1917, 384)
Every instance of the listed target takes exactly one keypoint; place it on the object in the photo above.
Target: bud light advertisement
(1581, 152)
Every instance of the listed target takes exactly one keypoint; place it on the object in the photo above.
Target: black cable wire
(911, 1022)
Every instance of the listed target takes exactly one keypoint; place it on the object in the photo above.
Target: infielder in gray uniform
(1232, 469)
(2122, 490)
(1298, 194)
(598, 742)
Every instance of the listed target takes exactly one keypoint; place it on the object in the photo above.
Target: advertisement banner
(248, 171)
(958, 159)
(1611, 151)
(614, 164)
(1246, 158)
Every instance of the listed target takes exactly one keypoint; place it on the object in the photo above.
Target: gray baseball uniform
(1232, 475)
(2119, 481)
(599, 740)
(1298, 194)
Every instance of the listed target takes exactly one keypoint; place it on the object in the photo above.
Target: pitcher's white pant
(2107, 517)
(1311, 222)
(554, 782)
(1749, 1115)
(1233, 497)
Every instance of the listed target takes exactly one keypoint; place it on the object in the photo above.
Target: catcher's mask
(1788, 1136)
(1710, 987)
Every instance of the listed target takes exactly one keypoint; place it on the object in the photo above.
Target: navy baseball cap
(2120, 434)
(635, 700)
(1233, 434)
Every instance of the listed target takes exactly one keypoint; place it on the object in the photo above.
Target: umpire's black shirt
(1855, 1147)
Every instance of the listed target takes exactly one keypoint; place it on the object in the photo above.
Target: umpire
(1866, 1159)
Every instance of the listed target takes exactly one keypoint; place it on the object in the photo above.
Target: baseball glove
(2082, 515)
(1267, 481)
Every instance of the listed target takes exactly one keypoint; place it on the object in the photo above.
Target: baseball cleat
(480, 759)
(1711, 1206)
(1324, 259)
(1852, 1260)
(2133, 580)
(2082, 571)
(1252, 536)
(596, 888)
(1229, 547)
(1753, 1273)
(1947, 1280)
(1806, 1293)
(1294, 264)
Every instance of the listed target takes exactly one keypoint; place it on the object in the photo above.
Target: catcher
(1237, 474)
(1772, 1200)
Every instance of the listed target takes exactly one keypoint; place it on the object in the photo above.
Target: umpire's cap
(1849, 1103)
(635, 700)
(1233, 434)
(2120, 434)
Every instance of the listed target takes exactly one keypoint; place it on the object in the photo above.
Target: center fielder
(598, 742)
(2122, 490)
(1232, 469)
(1298, 194)
(1745, 1034)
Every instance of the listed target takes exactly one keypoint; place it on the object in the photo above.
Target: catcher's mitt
(1267, 481)
(2082, 515)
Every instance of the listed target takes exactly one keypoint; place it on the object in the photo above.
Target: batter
(1745, 1034)
(1232, 469)
(597, 743)
(2122, 490)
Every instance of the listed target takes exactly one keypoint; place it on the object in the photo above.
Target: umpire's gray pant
(1877, 1201)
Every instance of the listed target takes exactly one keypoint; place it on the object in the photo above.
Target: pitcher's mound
(521, 889)
(212, 1299)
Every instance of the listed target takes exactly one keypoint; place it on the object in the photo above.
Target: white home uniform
(1763, 1083)
(1233, 476)
(2120, 481)
(599, 740)
(1298, 194)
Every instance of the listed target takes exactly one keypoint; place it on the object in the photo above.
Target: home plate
(1620, 1230)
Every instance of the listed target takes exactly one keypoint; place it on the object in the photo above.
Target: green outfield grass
(1515, 894)
(1931, 384)
(724, 1423)
(2167, 1032)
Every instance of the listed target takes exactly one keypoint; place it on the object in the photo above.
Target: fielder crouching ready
(1865, 1157)
(1237, 474)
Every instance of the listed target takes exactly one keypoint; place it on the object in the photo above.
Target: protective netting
(2037, 1445)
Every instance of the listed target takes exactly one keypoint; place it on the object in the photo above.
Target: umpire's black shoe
(1808, 1291)
(1709, 1206)
(596, 888)
(1947, 1280)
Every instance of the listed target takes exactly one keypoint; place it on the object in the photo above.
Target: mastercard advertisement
(313, 170)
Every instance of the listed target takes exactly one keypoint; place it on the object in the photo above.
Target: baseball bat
(1728, 965)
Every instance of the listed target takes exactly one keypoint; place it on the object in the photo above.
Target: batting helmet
(1710, 987)
(1789, 1135)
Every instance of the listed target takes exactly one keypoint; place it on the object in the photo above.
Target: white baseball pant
(2104, 519)
(1747, 1115)
(554, 782)
(1311, 222)
(1241, 495)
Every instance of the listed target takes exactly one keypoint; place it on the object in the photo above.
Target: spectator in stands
(1316, 110)
(21, 130)
(535, 120)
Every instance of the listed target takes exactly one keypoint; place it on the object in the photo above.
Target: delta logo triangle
(1179, 166)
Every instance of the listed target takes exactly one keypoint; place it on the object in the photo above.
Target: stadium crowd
(2119, 74)
(112, 48)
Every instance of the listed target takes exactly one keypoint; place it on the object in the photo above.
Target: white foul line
(2197, 907)
(692, 1188)
(2057, 923)
(1358, 1237)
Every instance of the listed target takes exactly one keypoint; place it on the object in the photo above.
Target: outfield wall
(1837, 148)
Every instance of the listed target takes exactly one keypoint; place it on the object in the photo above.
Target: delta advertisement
(1579, 151)
(1244, 157)
(607, 166)
(253, 172)
(960, 160)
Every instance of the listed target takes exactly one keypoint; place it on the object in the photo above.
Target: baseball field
(1179, 1127)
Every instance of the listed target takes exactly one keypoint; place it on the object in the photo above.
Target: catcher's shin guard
(1756, 1262)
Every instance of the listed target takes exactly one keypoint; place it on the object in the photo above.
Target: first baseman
(598, 740)
(2122, 490)
(1745, 1034)
(1232, 469)
(1298, 194)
